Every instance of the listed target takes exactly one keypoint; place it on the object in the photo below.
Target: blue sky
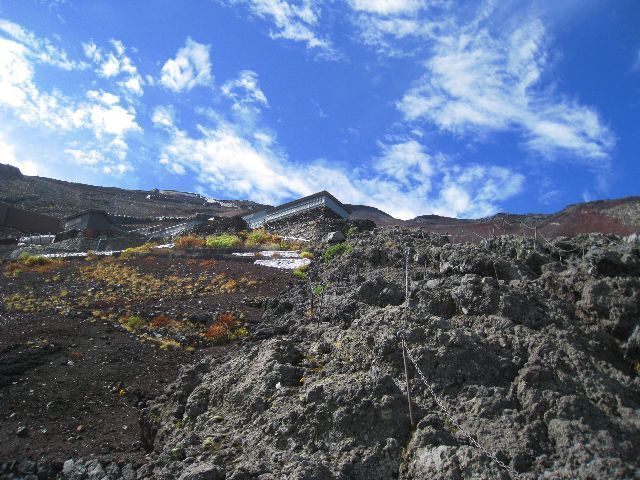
(416, 107)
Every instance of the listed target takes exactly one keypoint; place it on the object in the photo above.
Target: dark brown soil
(76, 378)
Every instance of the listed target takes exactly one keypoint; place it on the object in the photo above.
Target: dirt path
(73, 374)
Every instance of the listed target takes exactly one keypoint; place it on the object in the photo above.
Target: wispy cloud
(484, 71)
(245, 89)
(40, 48)
(297, 22)
(114, 62)
(190, 68)
(479, 81)
(387, 7)
(99, 113)
(405, 180)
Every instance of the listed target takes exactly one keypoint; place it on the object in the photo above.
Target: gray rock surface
(534, 351)
(532, 354)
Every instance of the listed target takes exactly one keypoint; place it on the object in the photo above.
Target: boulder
(335, 237)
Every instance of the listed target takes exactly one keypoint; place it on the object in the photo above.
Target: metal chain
(451, 418)
(561, 250)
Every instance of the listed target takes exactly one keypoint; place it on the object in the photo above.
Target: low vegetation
(190, 241)
(336, 250)
(225, 240)
(141, 250)
(31, 263)
(226, 327)
(259, 238)
(119, 292)
(301, 272)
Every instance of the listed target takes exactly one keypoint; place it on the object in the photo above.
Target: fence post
(310, 297)
(406, 378)
(406, 275)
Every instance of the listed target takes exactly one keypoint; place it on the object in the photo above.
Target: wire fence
(449, 415)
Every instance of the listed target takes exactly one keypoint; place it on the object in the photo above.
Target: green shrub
(351, 231)
(32, 260)
(226, 240)
(301, 272)
(260, 236)
(319, 289)
(140, 250)
(306, 254)
(239, 333)
(336, 250)
(133, 322)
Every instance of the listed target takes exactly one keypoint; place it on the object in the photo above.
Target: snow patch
(284, 263)
(270, 254)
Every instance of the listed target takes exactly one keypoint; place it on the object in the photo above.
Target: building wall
(330, 203)
(255, 219)
(28, 222)
(96, 222)
(99, 223)
(78, 223)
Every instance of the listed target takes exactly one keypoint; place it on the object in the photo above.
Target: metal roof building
(259, 217)
(91, 221)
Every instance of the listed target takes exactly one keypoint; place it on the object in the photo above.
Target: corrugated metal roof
(298, 201)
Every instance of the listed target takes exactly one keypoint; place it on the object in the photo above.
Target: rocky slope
(533, 350)
(60, 199)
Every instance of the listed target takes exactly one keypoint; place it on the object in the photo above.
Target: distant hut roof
(298, 201)
(323, 193)
(91, 210)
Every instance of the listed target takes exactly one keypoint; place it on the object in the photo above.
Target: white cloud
(293, 21)
(105, 98)
(98, 113)
(134, 85)
(85, 157)
(387, 7)
(406, 161)
(7, 156)
(476, 81)
(114, 120)
(245, 89)
(190, 68)
(164, 116)
(405, 180)
(42, 49)
(16, 73)
(113, 63)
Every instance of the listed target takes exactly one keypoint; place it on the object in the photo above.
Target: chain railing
(445, 409)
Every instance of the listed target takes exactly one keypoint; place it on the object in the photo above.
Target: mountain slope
(60, 199)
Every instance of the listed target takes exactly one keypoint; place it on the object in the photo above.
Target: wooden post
(406, 275)
(310, 297)
(406, 378)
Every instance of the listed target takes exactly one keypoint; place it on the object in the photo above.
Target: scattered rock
(335, 237)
